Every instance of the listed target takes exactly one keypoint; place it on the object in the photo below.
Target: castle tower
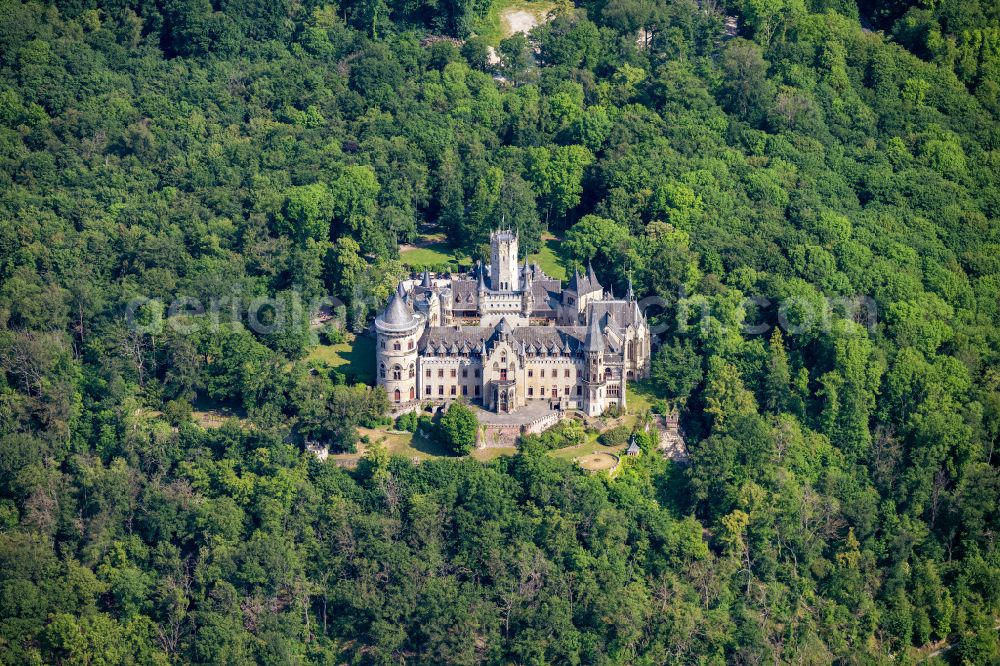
(503, 261)
(447, 316)
(481, 280)
(593, 384)
(527, 295)
(397, 330)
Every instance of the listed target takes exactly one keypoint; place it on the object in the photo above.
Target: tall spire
(574, 284)
(594, 341)
(591, 275)
(427, 279)
(630, 295)
(482, 282)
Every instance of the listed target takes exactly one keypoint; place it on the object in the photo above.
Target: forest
(808, 189)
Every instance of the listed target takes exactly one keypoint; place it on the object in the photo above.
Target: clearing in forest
(508, 18)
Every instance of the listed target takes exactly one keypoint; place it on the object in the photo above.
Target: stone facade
(507, 335)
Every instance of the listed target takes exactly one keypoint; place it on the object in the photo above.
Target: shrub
(332, 335)
(407, 422)
(376, 421)
(615, 436)
(425, 422)
(566, 433)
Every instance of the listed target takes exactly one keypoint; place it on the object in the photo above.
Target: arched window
(631, 350)
(397, 372)
(413, 371)
(383, 344)
(395, 395)
(381, 370)
(607, 373)
(412, 393)
(409, 344)
(396, 346)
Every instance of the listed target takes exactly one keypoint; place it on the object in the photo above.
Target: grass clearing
(435, 254)
(639, 396)
(550, 259)
(355, 358)
(588, 447)
(496, 26)
(210, 415)
(428, 251)
(412, 446)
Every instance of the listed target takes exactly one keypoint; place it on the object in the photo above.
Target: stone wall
(496, 435)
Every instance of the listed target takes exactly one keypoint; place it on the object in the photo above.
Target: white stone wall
(448, 378)
(389, 360)
(503, 263)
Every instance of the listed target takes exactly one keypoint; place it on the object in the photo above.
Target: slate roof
(594, 341)
(397, 315)
(584, 284)
(464, 294)
(625, 313)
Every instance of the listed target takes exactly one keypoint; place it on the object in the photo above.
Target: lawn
(588, 447)
(412, 446)
(428, 256)
(429, 251)
(549, 258)
(355, 358)
(639, 396)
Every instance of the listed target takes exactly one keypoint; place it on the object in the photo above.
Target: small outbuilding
(633, 447)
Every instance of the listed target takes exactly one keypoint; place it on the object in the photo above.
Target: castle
(507, 335)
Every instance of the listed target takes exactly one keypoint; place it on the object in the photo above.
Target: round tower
(397, 329)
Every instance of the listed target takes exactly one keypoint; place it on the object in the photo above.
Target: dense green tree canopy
(814, 206)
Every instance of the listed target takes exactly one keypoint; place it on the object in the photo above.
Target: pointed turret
(427, 284)
(400, 290)
(397, 314)
(594, 341)
(629, 295)
(482, 282)
(594, 285)
(527, 293)
(574, 283)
